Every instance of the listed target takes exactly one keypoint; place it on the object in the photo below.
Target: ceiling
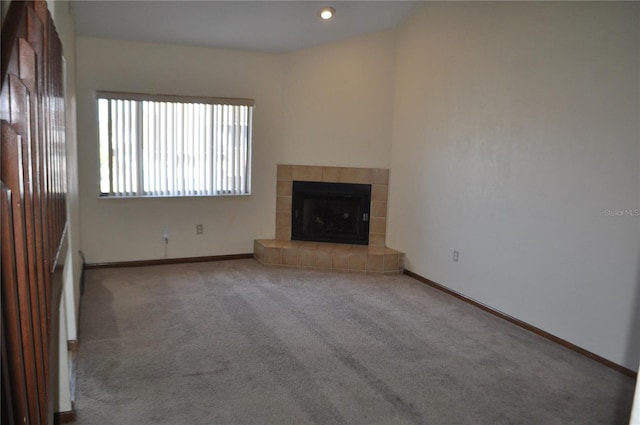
(268, 26)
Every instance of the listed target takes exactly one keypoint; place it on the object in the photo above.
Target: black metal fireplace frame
(358, 195)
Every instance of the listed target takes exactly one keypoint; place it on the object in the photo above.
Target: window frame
(181, 99)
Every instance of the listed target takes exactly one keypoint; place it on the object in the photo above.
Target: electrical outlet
(199, 229)
(165, 236)
(455, 256)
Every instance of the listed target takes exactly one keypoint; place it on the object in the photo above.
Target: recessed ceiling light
(327, 13)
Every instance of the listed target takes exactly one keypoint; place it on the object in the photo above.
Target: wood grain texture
(33, 215)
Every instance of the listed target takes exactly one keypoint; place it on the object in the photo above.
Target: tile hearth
(328, 256)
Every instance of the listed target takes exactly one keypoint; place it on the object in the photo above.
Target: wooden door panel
(33, 213)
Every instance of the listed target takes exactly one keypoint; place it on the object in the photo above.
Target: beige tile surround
(372, 258)
(378, 178)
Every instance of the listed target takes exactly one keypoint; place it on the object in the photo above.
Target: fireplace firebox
(331, 212)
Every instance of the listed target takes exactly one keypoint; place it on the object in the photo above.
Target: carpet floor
(234, 342)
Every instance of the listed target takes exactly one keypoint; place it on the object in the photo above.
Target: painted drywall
(337, 103)
(63, 397)
(635, 412)
(62, 15)
(329, 105)
(516, 143)
(128, 230)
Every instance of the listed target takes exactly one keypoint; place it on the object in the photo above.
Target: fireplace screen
(331, 212)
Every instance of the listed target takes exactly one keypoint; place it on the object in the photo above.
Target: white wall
(62, 14)
(62, 401)
(516, 128)
(635, 411)
(328, 105)
(337, 103)
(126, 230)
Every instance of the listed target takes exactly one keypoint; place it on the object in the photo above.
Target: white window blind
(173, 146)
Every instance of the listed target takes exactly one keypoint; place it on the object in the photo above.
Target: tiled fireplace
(375, 257)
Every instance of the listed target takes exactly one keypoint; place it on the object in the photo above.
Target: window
(153, 146)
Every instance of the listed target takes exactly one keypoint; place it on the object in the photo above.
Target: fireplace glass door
(331, 212)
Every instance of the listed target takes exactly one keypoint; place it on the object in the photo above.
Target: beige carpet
(236, 343)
